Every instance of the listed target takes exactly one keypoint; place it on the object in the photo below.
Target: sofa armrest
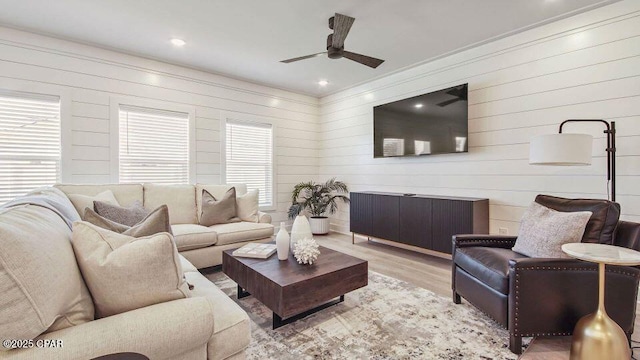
(264, 217)
(162, 331)
(548, 296)
(501, 241)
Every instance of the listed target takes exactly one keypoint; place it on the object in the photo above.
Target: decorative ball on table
(306, 251)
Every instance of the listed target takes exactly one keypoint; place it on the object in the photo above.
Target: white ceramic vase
(282, 242)
(300, 230)
(319, 225)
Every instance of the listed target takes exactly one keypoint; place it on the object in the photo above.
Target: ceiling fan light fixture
(178, 42)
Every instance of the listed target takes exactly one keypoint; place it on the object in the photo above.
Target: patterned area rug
(388, 319)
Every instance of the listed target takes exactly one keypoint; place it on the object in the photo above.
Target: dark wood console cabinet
(421, 220)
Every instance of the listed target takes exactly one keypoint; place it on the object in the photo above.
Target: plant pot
(319, 225)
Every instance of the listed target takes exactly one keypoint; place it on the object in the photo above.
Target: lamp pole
(611, 149)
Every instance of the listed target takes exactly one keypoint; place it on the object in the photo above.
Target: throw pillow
(221, 211)
(81, 202)
(156, 222)
(122, 215)
(124, 273)
(247, 206)
(543, 231)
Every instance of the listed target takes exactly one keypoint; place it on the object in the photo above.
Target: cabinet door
(450, 217)
(360, 215)
(385, 220)
(415, 221)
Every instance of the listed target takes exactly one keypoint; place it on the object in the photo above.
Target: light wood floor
(434, 274)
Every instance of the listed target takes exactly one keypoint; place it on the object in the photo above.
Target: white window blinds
(154, 145)
(249, 157)
(29, 143)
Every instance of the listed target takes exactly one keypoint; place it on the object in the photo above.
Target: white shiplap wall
(89, 78)
(586, 66)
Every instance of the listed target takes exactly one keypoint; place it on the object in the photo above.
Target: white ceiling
(247, 38)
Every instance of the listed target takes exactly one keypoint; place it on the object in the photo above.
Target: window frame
(224, 117)
(114, 109)
(65, 161)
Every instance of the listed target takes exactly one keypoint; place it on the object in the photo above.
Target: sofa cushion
(241, 231)
(217, 191)
(81, 202)
(248, 206)
(218, 210)
(192, 236)
(603, 221)
(487, 264)
(155, 222)
(181, 200)
(231, 326)
(125, 273)
(126, 194)
(41, 288)
(129, 215)
(543, 231)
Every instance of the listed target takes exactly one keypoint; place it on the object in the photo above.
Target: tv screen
(433, 123)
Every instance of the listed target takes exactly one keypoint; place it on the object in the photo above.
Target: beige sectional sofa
(44, 293)
(201, 245)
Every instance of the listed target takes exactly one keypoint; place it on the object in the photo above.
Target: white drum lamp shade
(561, 149)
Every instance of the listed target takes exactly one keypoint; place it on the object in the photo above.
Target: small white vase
(300, 230)
(282, 242)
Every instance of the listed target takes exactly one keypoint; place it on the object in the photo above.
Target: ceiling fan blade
(303, 57)
(341, 26)
(363, 59)
(448, 102)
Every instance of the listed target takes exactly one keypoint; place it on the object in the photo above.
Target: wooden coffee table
(292, 291)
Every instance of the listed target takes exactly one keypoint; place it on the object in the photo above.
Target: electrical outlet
(503, 231)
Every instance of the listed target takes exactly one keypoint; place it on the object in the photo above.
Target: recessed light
(418, 106)
(178, 42)
(323, 82)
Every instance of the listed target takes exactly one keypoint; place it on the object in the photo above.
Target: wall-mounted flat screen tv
(428, 124)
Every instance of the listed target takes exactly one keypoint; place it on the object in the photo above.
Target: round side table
(597, 336)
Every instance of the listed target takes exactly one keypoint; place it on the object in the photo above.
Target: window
(29, 143)
(249, 157)
(153, 146)
(392, 147)
(422, 147)
(461, 143)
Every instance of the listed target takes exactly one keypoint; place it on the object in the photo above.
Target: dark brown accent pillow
(221, 211)
(156, 222)
(122, 215)
(603, 221)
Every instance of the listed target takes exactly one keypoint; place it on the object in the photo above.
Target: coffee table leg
(278, 321)
(242, 293)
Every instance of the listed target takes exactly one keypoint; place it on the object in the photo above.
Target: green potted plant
(319, 200)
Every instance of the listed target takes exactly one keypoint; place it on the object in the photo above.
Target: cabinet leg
(353, 238)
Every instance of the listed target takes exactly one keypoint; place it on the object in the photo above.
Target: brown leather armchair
(546, 297)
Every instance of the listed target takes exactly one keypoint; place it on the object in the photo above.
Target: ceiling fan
(340, 24)
(459, 92)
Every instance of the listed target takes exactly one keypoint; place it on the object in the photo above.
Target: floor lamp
(563, 149)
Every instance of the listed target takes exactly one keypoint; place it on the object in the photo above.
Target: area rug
(388, 319)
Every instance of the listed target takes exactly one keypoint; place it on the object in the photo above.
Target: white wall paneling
(586, 66)
(88, 78)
